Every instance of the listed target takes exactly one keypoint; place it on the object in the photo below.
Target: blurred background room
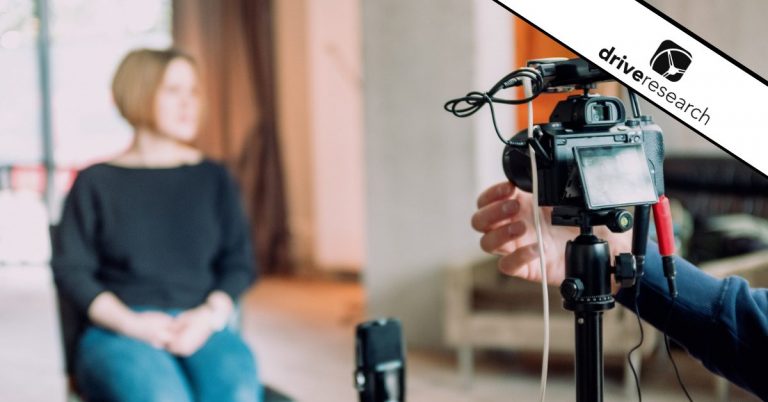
(359, 187)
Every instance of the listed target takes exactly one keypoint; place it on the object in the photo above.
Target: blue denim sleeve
(721, 322)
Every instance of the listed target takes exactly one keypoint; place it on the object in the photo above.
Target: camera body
(589, 156)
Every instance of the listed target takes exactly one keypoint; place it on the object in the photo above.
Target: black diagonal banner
(664, 63)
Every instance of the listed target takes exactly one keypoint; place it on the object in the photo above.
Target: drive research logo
(671, 69)
(671, 60)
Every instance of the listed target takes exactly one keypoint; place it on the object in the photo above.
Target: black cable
(669, 353)
(639, 246)
(639, 344)
(489, 100)
(666, 345)
(473, 101)
(636, 113)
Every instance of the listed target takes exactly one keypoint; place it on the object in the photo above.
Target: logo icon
(671, 60)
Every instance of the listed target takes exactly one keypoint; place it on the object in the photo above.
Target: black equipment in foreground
(380, 361)
(592, 163)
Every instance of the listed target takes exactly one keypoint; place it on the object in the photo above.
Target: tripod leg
(586, 291)
(589, 356)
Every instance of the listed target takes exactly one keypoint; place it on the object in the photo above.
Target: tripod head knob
(619, 221)
(626, 270)
(571, 289)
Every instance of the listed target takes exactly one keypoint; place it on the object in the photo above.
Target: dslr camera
(590, 156)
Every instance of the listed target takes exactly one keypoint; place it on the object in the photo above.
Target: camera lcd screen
(615, 175)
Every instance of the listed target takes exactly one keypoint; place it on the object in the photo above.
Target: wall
(409, 196)
(320, 118)
(293, 108)
(493, 58)
(424, 167)
(336, 99)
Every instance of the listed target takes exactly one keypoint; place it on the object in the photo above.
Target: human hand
(192, 329)
(153, 327)
(505, 218)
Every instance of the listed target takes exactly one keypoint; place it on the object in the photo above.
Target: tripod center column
(587, 292)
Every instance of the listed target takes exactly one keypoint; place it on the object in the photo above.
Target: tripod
(586, 290)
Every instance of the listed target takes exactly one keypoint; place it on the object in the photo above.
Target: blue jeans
(111, 367)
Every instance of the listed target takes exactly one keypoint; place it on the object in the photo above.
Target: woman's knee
(224, 369)
(116, 368)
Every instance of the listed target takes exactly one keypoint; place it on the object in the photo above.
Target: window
(20, 140)
(88, 38)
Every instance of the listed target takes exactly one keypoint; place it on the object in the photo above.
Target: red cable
(662, 217)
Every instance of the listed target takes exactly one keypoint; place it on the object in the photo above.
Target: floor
(303, 335)
(302, 332)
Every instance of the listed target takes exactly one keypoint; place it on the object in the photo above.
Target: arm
(152, 327)
(75, 264)
(723, 323)
(234, 264)
(75, 258)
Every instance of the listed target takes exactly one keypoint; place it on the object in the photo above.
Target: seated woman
(153, 247)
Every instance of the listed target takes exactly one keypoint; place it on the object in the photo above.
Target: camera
(590, 162)
(589, 155)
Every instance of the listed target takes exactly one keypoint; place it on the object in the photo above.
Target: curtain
(232, 41)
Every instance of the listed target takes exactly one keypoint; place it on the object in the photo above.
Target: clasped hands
(181, 335)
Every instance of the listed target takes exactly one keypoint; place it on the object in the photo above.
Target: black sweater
(160, 237)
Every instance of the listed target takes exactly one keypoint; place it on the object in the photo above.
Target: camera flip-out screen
(615, 175)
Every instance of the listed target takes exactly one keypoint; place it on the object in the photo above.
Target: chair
(72, 325)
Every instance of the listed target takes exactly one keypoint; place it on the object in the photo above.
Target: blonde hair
(136, 81)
